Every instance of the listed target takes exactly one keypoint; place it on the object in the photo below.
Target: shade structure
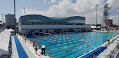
(4, 42)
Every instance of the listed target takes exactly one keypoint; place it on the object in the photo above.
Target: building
(94, 27)
(110, 22)
(30, 23)
(9, 20)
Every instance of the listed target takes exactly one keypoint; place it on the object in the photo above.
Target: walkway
(26, 48)
(14, 49)
(29, 46)
(21, 52)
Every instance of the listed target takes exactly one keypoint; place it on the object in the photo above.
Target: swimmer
(51, 43)
(83, 40)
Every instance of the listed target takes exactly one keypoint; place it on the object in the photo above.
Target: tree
(10, 26)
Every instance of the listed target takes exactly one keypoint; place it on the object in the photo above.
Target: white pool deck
(30, 50)
(14, 49)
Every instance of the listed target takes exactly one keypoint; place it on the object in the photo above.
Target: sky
(62, 8)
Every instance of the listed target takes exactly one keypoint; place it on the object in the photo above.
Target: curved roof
(49, 19)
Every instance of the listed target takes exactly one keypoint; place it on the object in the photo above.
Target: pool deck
(14, 49)
(27, 50)
(30, 50)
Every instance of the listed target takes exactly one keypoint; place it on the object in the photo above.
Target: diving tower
(104, 24)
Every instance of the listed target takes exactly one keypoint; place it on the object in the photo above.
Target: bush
(10, 26)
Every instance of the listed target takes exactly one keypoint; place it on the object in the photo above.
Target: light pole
(118, 24)
(118, 21)
(15, 15)
(96, 15)
(24, 11)
(2, 20)
(15, 8)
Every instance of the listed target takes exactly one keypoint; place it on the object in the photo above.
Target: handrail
(116, 54)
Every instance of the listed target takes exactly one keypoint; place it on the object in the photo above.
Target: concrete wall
(51, 26)
(9, 19)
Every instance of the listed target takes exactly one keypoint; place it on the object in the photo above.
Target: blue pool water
(72, 45)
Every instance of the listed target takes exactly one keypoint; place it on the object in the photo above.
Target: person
(108, 55)
(36, 48)
(117, 42)
(10, 50)
(25, 39)
(33, 43)
(108, 41)
(43, 49)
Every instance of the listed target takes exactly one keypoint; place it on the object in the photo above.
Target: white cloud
(115, 19)
(66, 8)
(44, 1)
(30, 11)
(53, 1)
(113, 3)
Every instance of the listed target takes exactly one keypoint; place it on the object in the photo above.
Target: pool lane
(74, 50)
(21, 52)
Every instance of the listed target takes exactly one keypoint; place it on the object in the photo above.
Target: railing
(52, 26)
(116, 53)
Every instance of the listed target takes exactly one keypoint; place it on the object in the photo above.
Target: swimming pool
(73, 44)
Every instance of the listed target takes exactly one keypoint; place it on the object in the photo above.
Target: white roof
(4, 41)
(95, 26)
(11, 30)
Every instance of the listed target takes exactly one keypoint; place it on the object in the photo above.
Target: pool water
(72, 45)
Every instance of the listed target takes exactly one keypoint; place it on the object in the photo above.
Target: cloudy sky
(62, 8)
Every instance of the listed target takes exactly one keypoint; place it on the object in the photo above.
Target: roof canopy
(4, 41)
(49, 19)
